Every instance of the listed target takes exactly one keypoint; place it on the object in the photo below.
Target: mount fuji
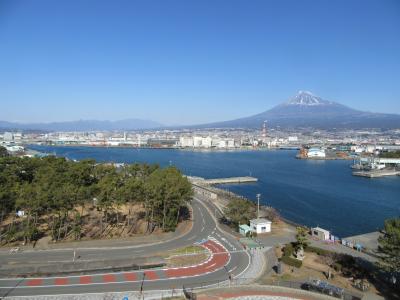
(308, 110)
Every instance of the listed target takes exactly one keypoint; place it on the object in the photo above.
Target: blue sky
(186, 62)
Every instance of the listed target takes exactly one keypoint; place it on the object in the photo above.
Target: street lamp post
(229, 275)
(258, 205)
(141, 286)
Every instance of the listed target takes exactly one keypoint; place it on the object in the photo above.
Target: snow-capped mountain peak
(307, 98)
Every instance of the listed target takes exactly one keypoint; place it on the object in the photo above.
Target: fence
(347, 295)
(190, 291)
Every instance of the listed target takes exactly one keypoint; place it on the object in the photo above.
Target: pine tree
(389, 246)
(301, 240)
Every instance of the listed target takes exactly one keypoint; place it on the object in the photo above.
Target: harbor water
(309, 192)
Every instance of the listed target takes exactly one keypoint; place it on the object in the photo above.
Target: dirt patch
(95, 233)
(187, 260)
(282, 228)
(314, 267)
(187, 256)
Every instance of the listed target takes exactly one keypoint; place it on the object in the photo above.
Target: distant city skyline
(186, 62)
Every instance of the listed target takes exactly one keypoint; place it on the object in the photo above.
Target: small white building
(8, 136)
(197, 141)
(186, 141)
(316, 152)
(320, 233)
(222, 144)
(15, 148)
(230, 143)
(206, 142)
(260, 225)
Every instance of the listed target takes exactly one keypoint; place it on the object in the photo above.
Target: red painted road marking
(34, 282)
(130, 276)
(60, 281)
(219, 258)
(151, 275)
(211, 265)
(182, 272)
(109, 278)
(85, 279)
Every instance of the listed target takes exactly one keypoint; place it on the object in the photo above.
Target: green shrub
(288, 250)
(290, 261)
(287, 257)
(337, 267)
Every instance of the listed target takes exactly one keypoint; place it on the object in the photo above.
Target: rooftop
(260, 221)
(320, 229)
(245, 227)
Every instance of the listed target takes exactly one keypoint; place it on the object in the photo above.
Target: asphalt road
(103, 253)
(204, 227)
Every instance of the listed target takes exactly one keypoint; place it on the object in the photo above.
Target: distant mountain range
(84, 125)
(303, 110)
(308, 110)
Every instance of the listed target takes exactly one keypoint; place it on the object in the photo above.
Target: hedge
(318, 251)
(288, 250)
(291, 261)
(287, 257)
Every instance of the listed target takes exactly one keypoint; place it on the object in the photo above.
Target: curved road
(228, 259)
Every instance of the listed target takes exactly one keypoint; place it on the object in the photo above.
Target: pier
(229, 180)
(380, 160)
(373, 167)
(376, 173)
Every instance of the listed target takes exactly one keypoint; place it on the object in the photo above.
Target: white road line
(233, 269)
(210, 266)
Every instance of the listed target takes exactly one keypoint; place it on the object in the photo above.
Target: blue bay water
(313, 193)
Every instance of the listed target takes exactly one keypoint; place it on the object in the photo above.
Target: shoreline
(281, 218)
(222, 200)
(324, 158)
(310, 220)
(164, 148)
(363, 238)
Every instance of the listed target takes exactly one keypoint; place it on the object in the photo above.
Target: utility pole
(141, 286)
(229, 275)
(258, 205)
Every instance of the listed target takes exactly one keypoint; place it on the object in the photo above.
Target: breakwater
(229, 180)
